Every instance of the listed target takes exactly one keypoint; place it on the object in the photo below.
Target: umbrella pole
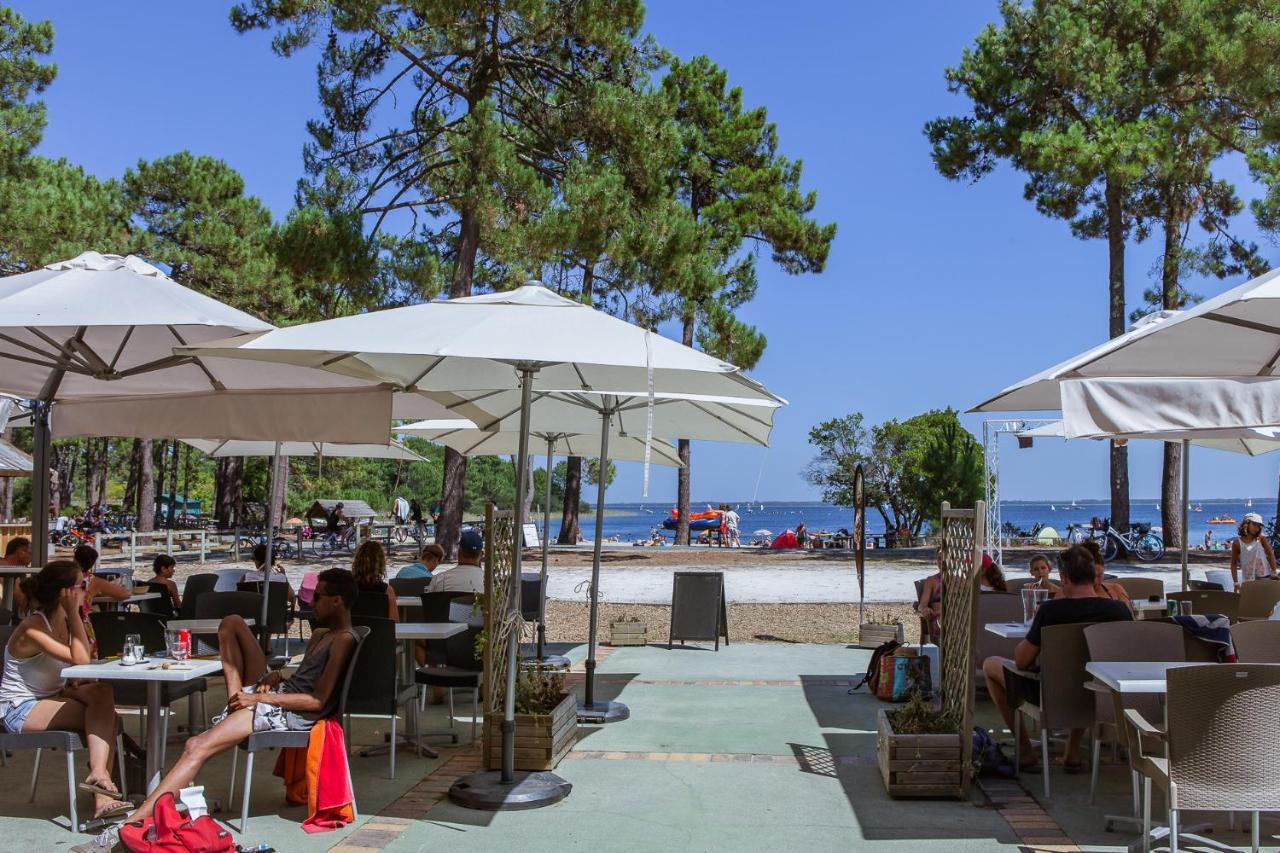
(546, 543)
(507, 789)
(40, 471)
(1186, 509)
(591, 711)
(271, 536)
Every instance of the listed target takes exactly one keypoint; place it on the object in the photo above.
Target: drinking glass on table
(1040, 597)
(1028, 604)
(129, 653)
(178, 643)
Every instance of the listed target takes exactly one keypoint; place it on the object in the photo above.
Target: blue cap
(471, 540)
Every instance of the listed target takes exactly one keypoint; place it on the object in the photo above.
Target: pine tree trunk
(682, 447)
(235, 491)
(104, 471)
(1171, 474)
(186, 474)
(159, 456)
(280, 496)
(146, 486)
(173, 486)
(90, 473)
(130, 504)
(452, 497)
(1115, 327)
(572, 501)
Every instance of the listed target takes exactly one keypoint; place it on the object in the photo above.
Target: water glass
(139, 652)
(1028, 604)
(129, 652)
(181, 647)
(1041, 596)
(1184, 608)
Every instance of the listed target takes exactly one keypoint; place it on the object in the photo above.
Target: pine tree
(738, 194)
(433, 121)
(22, 76)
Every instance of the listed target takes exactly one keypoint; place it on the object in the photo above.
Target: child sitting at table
(165, 567)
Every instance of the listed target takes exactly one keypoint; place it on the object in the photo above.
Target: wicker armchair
(1258, 598)
(1056, 695)
(1126, 641)
(1141, 589)
(1256, 641)
(1220, 747)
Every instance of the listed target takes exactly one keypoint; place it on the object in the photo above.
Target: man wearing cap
(466, 576)
(1251, 554)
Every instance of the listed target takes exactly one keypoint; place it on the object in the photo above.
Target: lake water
(632, 521)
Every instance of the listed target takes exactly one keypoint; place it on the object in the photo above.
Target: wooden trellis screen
(502, 624)
(964, 536)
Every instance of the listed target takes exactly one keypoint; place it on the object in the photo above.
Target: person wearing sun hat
(1251, 554)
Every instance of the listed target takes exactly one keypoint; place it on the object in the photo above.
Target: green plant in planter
(538, 690)
(920, 716)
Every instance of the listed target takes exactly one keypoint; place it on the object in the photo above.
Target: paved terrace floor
(754, 747)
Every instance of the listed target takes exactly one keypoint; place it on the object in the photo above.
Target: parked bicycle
(341, 542)
(280, 546)
(1139, 541)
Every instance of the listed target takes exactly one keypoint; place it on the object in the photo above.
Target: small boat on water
(1197, 508)
(1249, 503)
(1222, 519)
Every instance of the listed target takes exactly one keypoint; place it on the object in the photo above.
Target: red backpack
(170, 831)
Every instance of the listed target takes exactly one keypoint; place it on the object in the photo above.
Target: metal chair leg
(248, 780)
(165, 713)
(1044, 757)
(124, 777)
(1137, 798)
(393, 744)
(450, 707)
(1017, 740)
(71, 790)
(417, 727)
(1146, 814)
(475, 712)
(35, 775)
(231, 790)
(1173, 830)
(1097, 757)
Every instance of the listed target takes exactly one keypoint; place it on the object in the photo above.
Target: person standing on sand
(733, 522)
(1251, 554)
(802, 536)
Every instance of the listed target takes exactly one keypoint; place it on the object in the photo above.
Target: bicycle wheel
(400, 534)
(1110, 549)
(1149, 548)
(349, 541)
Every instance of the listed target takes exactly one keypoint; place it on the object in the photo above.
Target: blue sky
(935, 293)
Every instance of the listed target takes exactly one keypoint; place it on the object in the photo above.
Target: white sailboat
(1249, 502)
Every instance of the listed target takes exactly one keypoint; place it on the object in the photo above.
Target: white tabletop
(1008, 630)
(408, 601)
(1135, 676)
(149, 671)
(199, 626)
(428, 630)
(132, 599)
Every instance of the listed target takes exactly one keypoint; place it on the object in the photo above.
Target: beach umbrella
(691, 416)
(13, 462)
(1246, 440)
(528, 339)
(464, 437)
(386, 450)
(99, 326)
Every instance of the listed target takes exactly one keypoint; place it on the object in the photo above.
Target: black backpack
(871, 678)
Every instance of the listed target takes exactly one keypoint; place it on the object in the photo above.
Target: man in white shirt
(467, 575)
(732, 520)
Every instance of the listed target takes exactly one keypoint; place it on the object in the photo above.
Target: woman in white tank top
(33, 695)
(1251, 554)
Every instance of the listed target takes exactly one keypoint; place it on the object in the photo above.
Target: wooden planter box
(541, 739)
(628, 634)
(872, 635)
(919, 765)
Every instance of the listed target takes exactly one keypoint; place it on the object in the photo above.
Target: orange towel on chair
(317, 776)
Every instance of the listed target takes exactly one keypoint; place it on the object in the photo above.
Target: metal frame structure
(992, 429)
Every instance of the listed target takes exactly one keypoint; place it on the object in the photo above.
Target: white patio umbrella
(465, 438)
(530, 339)
(387, 450)
(96, 326)
(691, 416)
(1246, 440)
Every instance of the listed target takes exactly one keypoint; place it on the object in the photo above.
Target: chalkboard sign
(698, 608)
(531, 539)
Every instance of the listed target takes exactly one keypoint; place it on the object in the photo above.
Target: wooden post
(204, 540)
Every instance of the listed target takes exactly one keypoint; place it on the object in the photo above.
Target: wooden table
(154, 676)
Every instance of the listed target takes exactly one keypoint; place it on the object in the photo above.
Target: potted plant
(920, 750)
(546, 717)
(628, 631)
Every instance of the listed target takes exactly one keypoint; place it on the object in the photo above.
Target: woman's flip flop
(116, 809)
(95, 788)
